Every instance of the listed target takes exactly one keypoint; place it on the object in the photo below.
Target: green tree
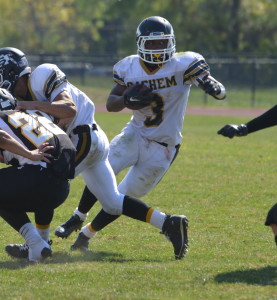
(107, 27)
(51, 26)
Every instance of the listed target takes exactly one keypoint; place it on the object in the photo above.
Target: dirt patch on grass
(208, 111)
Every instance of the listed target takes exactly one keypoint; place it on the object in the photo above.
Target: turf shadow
(93, 256)
(67, 258)
(263, 276)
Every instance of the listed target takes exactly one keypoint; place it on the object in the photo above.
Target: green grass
(225, 187)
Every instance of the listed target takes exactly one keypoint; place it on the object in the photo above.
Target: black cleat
(17, 250)
(175, 230)
(81, 243)
(20, 250)
(72, 224)
(46, 252)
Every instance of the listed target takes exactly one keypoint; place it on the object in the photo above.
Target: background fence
(252, 74)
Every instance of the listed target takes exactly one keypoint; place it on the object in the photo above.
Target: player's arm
(7, 142)
(134, 97)
(62, 106)
(267, 119)
(212, 87)
(115, 101)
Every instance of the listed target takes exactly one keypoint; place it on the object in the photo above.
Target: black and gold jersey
(32, 128)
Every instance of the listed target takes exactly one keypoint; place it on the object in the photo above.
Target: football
(134, 100)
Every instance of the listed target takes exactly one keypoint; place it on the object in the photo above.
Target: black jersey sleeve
(268, 119)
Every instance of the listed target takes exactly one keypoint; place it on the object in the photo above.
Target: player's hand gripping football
(233, 130)
(138, 96)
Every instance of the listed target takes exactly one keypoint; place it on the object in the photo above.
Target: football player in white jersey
(47, 89)
(150, 141)
(35, 180)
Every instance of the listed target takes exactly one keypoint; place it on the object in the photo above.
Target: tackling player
(47, 89)
(155, 83)
(267, 119)
(42, 159)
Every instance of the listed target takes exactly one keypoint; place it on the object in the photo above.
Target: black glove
(211, 87)
(233, 130)
(138, 96)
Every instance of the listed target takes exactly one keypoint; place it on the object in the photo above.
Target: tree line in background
(107, 27)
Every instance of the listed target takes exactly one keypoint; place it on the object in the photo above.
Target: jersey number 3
(157, 106)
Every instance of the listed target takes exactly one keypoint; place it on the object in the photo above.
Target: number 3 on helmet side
(157, 106)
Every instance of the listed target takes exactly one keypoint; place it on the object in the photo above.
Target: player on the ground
(50, 91)
(151, 140)
(267, 119)
(42, 160)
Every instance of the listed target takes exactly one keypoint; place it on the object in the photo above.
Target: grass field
(225, 187)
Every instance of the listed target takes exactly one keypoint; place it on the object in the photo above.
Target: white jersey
(162, 121)
(47, 81)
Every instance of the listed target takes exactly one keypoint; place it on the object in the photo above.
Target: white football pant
(98, 174)
(148, 161)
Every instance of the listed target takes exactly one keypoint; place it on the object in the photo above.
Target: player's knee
(112, 210)
(114, 206)
(136, 192)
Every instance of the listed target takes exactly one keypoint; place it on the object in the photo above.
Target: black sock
(102, 220)
(87, 201)
(276, 239)
(15, 219)
(44, 217)
(135, 208)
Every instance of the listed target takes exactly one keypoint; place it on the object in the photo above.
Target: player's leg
(154, 161)
(38, 249)
(33, 186)
(22, 195)
(82, 140)
(101, 180)
(271, 220)
(43, 220)
(174, 227)
(75, 222)
(123, 152)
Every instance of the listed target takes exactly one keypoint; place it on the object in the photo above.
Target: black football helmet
(155, 28)
(13, 65)
(7, 100)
